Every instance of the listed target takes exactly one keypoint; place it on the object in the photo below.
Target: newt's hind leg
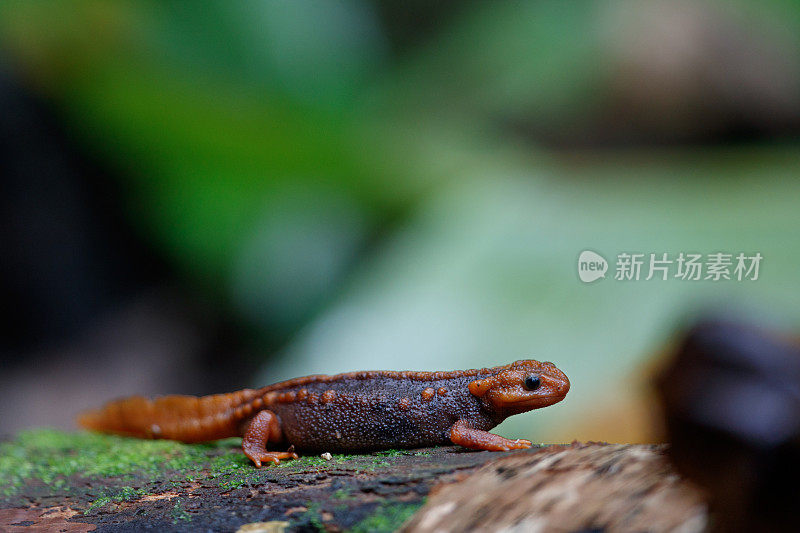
(476, 439)
(263, 428)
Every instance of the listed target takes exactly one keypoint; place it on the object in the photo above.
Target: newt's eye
(532, 382)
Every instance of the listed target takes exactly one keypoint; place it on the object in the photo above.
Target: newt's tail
(184, 418)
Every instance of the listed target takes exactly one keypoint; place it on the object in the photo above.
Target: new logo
(591, 266)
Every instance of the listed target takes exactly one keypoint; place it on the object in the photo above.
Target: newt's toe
(269, 457)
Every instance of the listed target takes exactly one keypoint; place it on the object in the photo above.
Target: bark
(581, 487)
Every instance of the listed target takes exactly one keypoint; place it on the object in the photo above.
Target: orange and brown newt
(357, 411)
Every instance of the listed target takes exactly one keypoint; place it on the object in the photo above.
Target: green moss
(398, 453)
(337, 459)
(386, 518)
(179, 513)
(98, 503)
(105, 469)
(124, 494)
(391, 453)
(233, 470)
(316, 461)
(305, 461)
(53, 456)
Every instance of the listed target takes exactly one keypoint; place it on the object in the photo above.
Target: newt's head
(522, 386)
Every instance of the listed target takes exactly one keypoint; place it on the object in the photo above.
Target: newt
(346, 413)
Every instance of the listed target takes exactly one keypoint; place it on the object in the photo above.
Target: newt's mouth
(557, 397)
(535, 401)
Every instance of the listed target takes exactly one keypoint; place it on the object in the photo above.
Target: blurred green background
(313, 187)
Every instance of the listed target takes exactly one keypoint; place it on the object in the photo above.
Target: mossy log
(55, 481)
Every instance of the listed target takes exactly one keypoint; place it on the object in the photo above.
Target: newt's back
(377, 412)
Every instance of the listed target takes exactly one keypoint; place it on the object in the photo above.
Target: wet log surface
(54, 481)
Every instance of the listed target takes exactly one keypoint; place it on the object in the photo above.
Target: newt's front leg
(463, 435)
(263, 428)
